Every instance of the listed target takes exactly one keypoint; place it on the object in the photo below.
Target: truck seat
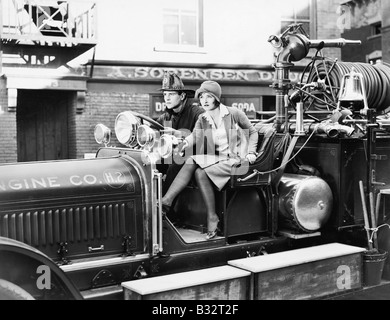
(245, 174)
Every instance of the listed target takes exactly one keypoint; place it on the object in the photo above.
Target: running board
(304, 274)
(301, 274)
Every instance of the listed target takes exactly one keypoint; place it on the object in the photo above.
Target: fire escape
(45, 33)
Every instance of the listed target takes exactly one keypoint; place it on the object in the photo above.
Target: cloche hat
(172, 82)
(210, 87)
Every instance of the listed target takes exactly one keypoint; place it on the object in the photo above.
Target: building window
(297, 11)
(183, 23)
(377, 29)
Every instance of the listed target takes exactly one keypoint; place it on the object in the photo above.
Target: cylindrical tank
(305, 202)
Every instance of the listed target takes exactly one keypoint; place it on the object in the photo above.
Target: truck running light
(102, 134)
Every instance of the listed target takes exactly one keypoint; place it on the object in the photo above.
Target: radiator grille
(48, 227)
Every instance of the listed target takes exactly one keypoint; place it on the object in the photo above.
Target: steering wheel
(154, 123)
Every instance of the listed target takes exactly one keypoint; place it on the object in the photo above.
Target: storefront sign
(249, 105)
(156, 73)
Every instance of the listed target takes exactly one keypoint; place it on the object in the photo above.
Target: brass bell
(352, 90)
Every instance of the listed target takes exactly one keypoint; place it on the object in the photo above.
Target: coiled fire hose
(376, 81)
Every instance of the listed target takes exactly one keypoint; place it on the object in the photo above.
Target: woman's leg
(181, 181)
(207, 192)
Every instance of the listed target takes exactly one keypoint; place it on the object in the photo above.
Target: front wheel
(11, 291)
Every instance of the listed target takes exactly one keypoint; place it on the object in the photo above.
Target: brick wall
(8, 144)
(72, 130)
(327, 24)
(102, 107)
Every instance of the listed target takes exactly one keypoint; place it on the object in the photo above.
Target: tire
(10, 291)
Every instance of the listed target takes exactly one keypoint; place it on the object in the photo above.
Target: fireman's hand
(169, 130)
(251, 157)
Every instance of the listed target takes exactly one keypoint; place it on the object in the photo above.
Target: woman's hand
(251, 157)
(181, 147)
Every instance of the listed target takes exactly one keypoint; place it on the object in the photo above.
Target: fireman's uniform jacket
(185, 119)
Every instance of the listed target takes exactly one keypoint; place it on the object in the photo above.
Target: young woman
(223, 137)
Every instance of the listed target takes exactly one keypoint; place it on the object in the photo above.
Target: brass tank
(305, 202)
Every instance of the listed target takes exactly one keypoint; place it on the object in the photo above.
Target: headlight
(102, 134)
(146, 136)
(126, 125)
(166, 145)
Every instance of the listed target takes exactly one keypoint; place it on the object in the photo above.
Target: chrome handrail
(157, 229)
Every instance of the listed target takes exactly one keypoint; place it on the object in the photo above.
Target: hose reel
(376, 79)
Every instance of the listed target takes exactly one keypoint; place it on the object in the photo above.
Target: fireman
(179, 117)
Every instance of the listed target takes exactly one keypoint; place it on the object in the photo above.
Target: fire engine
(78, 229)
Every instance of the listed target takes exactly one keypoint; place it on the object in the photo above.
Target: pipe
(299, 122)
(299, 45)
(282, 85)
(342, 129)
(296, 50)
(328, 129)
(373, 220)
(332, 130)
(366, 220)
(333, 43)
(377, 206)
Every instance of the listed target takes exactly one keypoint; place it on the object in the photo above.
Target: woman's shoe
(166, 209)
(212, 234)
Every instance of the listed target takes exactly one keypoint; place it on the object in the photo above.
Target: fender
(27, 266)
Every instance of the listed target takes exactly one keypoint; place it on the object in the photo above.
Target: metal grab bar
(98, 249)
(157, 229)
(253, 174)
